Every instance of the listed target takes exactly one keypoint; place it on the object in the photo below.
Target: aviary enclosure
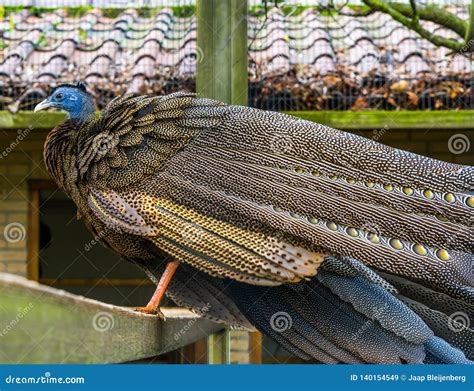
(282, 240)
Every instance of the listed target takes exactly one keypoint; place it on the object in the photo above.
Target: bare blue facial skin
(75, 100)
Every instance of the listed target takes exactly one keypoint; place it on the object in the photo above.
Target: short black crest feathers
(80, 85)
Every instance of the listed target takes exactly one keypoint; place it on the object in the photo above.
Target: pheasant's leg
(153, 306)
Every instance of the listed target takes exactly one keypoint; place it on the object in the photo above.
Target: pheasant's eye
(59, 96)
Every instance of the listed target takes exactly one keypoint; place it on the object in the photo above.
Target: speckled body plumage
(244, 196)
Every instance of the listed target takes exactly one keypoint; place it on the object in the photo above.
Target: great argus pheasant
(339, 248)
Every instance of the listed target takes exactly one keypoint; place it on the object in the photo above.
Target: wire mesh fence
(115, 51)
(321, 58)
(302, 55)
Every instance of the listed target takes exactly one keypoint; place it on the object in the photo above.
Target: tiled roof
(112, 55)
(312, 59)
(358, 43)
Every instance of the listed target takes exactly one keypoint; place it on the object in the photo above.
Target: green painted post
(218, 345)
(222, 74)
(222, 50)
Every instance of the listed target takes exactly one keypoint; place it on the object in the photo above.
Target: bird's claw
(151, 311)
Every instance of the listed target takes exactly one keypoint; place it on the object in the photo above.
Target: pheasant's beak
(46, 104)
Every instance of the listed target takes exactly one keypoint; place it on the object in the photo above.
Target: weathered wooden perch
(40, 324)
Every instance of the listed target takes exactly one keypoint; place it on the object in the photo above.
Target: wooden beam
(355, 120)
(40, 324)
(30, 119)
(222, 50)
(462, 119)
(58, 282)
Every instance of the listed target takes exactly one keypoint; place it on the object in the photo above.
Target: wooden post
(255, 343)
(222, 74)
(219, 348)
(222, 50)
(196, 353)
(33, 237)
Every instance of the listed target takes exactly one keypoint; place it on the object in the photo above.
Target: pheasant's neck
(60, 157)
(82, 112)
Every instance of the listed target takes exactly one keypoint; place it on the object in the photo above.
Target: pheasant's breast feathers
(136, 136)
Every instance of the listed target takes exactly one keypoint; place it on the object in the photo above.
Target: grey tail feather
(449, 318)
(348, 313)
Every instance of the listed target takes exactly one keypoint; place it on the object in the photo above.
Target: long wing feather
(205, 243)
(306, 184)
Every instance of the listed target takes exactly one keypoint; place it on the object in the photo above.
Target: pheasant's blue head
(72, 98)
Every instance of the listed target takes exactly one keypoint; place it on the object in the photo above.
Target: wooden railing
(346, 120)
(40, 324)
